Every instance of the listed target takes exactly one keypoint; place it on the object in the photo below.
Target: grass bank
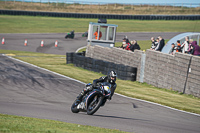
(12, 124)
(31, 24)
(131, 89)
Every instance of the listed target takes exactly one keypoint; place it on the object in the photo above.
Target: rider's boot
(83, 92)
(80, 96)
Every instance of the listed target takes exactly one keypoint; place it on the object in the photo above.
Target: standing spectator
(158, 44)
(173, 50)
(185, 45)
(161, 44)
(125, 44)
(134, 45)
(153, 43)
(195, 48)
(178, 48)
(190, 41)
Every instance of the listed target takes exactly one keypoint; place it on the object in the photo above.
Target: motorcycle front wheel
(94, 104)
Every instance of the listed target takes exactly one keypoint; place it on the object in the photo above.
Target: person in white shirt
(185, 45)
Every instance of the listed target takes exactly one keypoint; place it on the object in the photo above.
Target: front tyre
(94, 104)
(74, 107)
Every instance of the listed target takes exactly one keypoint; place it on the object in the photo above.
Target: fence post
(188, 70)
(142, 67)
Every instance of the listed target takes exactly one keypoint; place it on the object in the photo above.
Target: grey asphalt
(33, 92)
(16, 41)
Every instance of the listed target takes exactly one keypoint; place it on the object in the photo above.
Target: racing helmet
(112, 75)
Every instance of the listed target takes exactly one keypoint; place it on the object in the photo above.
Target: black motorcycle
(92, 101)
(70, 35)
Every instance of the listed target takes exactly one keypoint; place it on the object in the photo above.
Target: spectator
(125, 44)
(153, 43)
(196, 48)
(158, 43)
(185, 45)
(173, 50)
(178, 48)
(190, 41)
(134, 45)
(161, 44)
(190, 48)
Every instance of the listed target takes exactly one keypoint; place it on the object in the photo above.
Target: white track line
(80, 49)
(115, 93)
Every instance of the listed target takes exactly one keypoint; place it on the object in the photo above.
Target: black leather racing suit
(105, 79)
(94, 84)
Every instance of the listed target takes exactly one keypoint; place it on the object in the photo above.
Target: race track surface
(16, 41)
(29, 91)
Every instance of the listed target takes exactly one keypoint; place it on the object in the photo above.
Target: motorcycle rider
(110, 78)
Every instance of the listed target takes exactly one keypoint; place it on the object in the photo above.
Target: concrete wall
(193, 81)
(117, 56)
(166, 71)
(179, 72)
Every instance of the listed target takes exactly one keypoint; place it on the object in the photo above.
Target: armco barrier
(124, 72)
(107, 16)
(179, 72)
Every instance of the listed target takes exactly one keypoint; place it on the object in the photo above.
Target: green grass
(18, 124)
(133, 89)
(30, 24)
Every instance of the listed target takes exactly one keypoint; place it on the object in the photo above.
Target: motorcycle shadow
(118, 117)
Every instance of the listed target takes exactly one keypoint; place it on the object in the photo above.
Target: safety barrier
(107, 16)
(124, 72)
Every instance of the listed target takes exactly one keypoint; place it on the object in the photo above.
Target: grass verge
(9, 123)
(57, 63)
(31, 24)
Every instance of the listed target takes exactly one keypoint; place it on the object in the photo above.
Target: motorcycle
(92, 100)
(85, 34)
(70, 35)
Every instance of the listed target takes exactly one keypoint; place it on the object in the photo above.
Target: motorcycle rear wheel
(74, 107)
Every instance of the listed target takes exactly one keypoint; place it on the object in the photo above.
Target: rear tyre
(74, 107)
(94, 104)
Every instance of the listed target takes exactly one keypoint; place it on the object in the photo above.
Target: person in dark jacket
(125, 44)
(134, 45)
(161, 44)
(153, 43)
(173, 49)
(195, 49)
(110, 78)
